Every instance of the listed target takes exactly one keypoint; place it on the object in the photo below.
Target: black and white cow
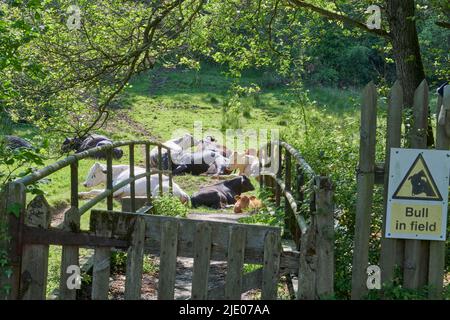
(221, 194)
(90, 142)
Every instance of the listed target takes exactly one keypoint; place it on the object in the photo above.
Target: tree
(403, 36)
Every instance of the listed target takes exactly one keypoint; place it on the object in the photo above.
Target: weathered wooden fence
(421, 262)
(307, 196)
(14, 199)
(29, 236)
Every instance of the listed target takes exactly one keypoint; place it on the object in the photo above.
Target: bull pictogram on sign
(418, 183)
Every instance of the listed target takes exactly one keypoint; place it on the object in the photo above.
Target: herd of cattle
(187, 155)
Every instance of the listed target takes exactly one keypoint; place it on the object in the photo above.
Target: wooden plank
(132, 183)
(202, 254)
(168, 262)
(279, 153)
(169, 153)
(148, 183)
(102, 256)
(365, 183)
(54, 236)
(272, 249)
(235, 263)
(437, 248)
(70, 254)
(13, 202)
(135, 261)
(109, 179)
(325, 238)
(35, 256)
(254, 252)
(392, 250)
(160, 167)
(308, 264)
(417, 251)
(289, 218)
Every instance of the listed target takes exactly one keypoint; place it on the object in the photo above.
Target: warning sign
(418, 183)
(418, 194)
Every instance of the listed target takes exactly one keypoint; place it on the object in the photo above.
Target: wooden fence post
(202, 255)
(417, 251)
(437, 248)
(168, 260)
(289, 219)
(35, 256)
(307, 272)
(279, 156)
(235, 263)
(12, 212)
(365, 181)
(70, 254)
(391, 249)
(135, 261)
(272, 249)
(324, 238)
(102, 257)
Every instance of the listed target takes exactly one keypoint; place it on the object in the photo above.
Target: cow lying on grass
(221, 194)
(97, 175)
(177, 148)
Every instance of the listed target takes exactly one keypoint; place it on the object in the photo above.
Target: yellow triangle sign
(418, 183)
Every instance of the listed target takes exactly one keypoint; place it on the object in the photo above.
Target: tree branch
(443, 24)
(339, 17)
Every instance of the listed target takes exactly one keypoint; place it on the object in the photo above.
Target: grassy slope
(162, 101)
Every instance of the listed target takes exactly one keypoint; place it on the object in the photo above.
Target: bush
(169, 206)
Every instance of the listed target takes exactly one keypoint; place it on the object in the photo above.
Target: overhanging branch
(339, 17)
(443, 24)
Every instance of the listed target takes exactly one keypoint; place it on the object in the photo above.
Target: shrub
(169, 206)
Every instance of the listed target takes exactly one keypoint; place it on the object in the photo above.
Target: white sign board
(418, 194)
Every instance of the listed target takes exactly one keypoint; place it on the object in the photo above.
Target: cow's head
(246, 184)
(96, 175)
(70, 144)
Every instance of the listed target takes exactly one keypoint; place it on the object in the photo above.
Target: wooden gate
(421, 262)
(28, 236)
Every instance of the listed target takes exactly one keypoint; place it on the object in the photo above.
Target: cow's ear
(237, 197)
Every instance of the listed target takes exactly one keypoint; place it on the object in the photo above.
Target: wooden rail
(309, 216)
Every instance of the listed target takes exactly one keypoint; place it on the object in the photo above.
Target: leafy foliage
(169, 206)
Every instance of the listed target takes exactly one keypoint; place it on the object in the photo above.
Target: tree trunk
(406, 49)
